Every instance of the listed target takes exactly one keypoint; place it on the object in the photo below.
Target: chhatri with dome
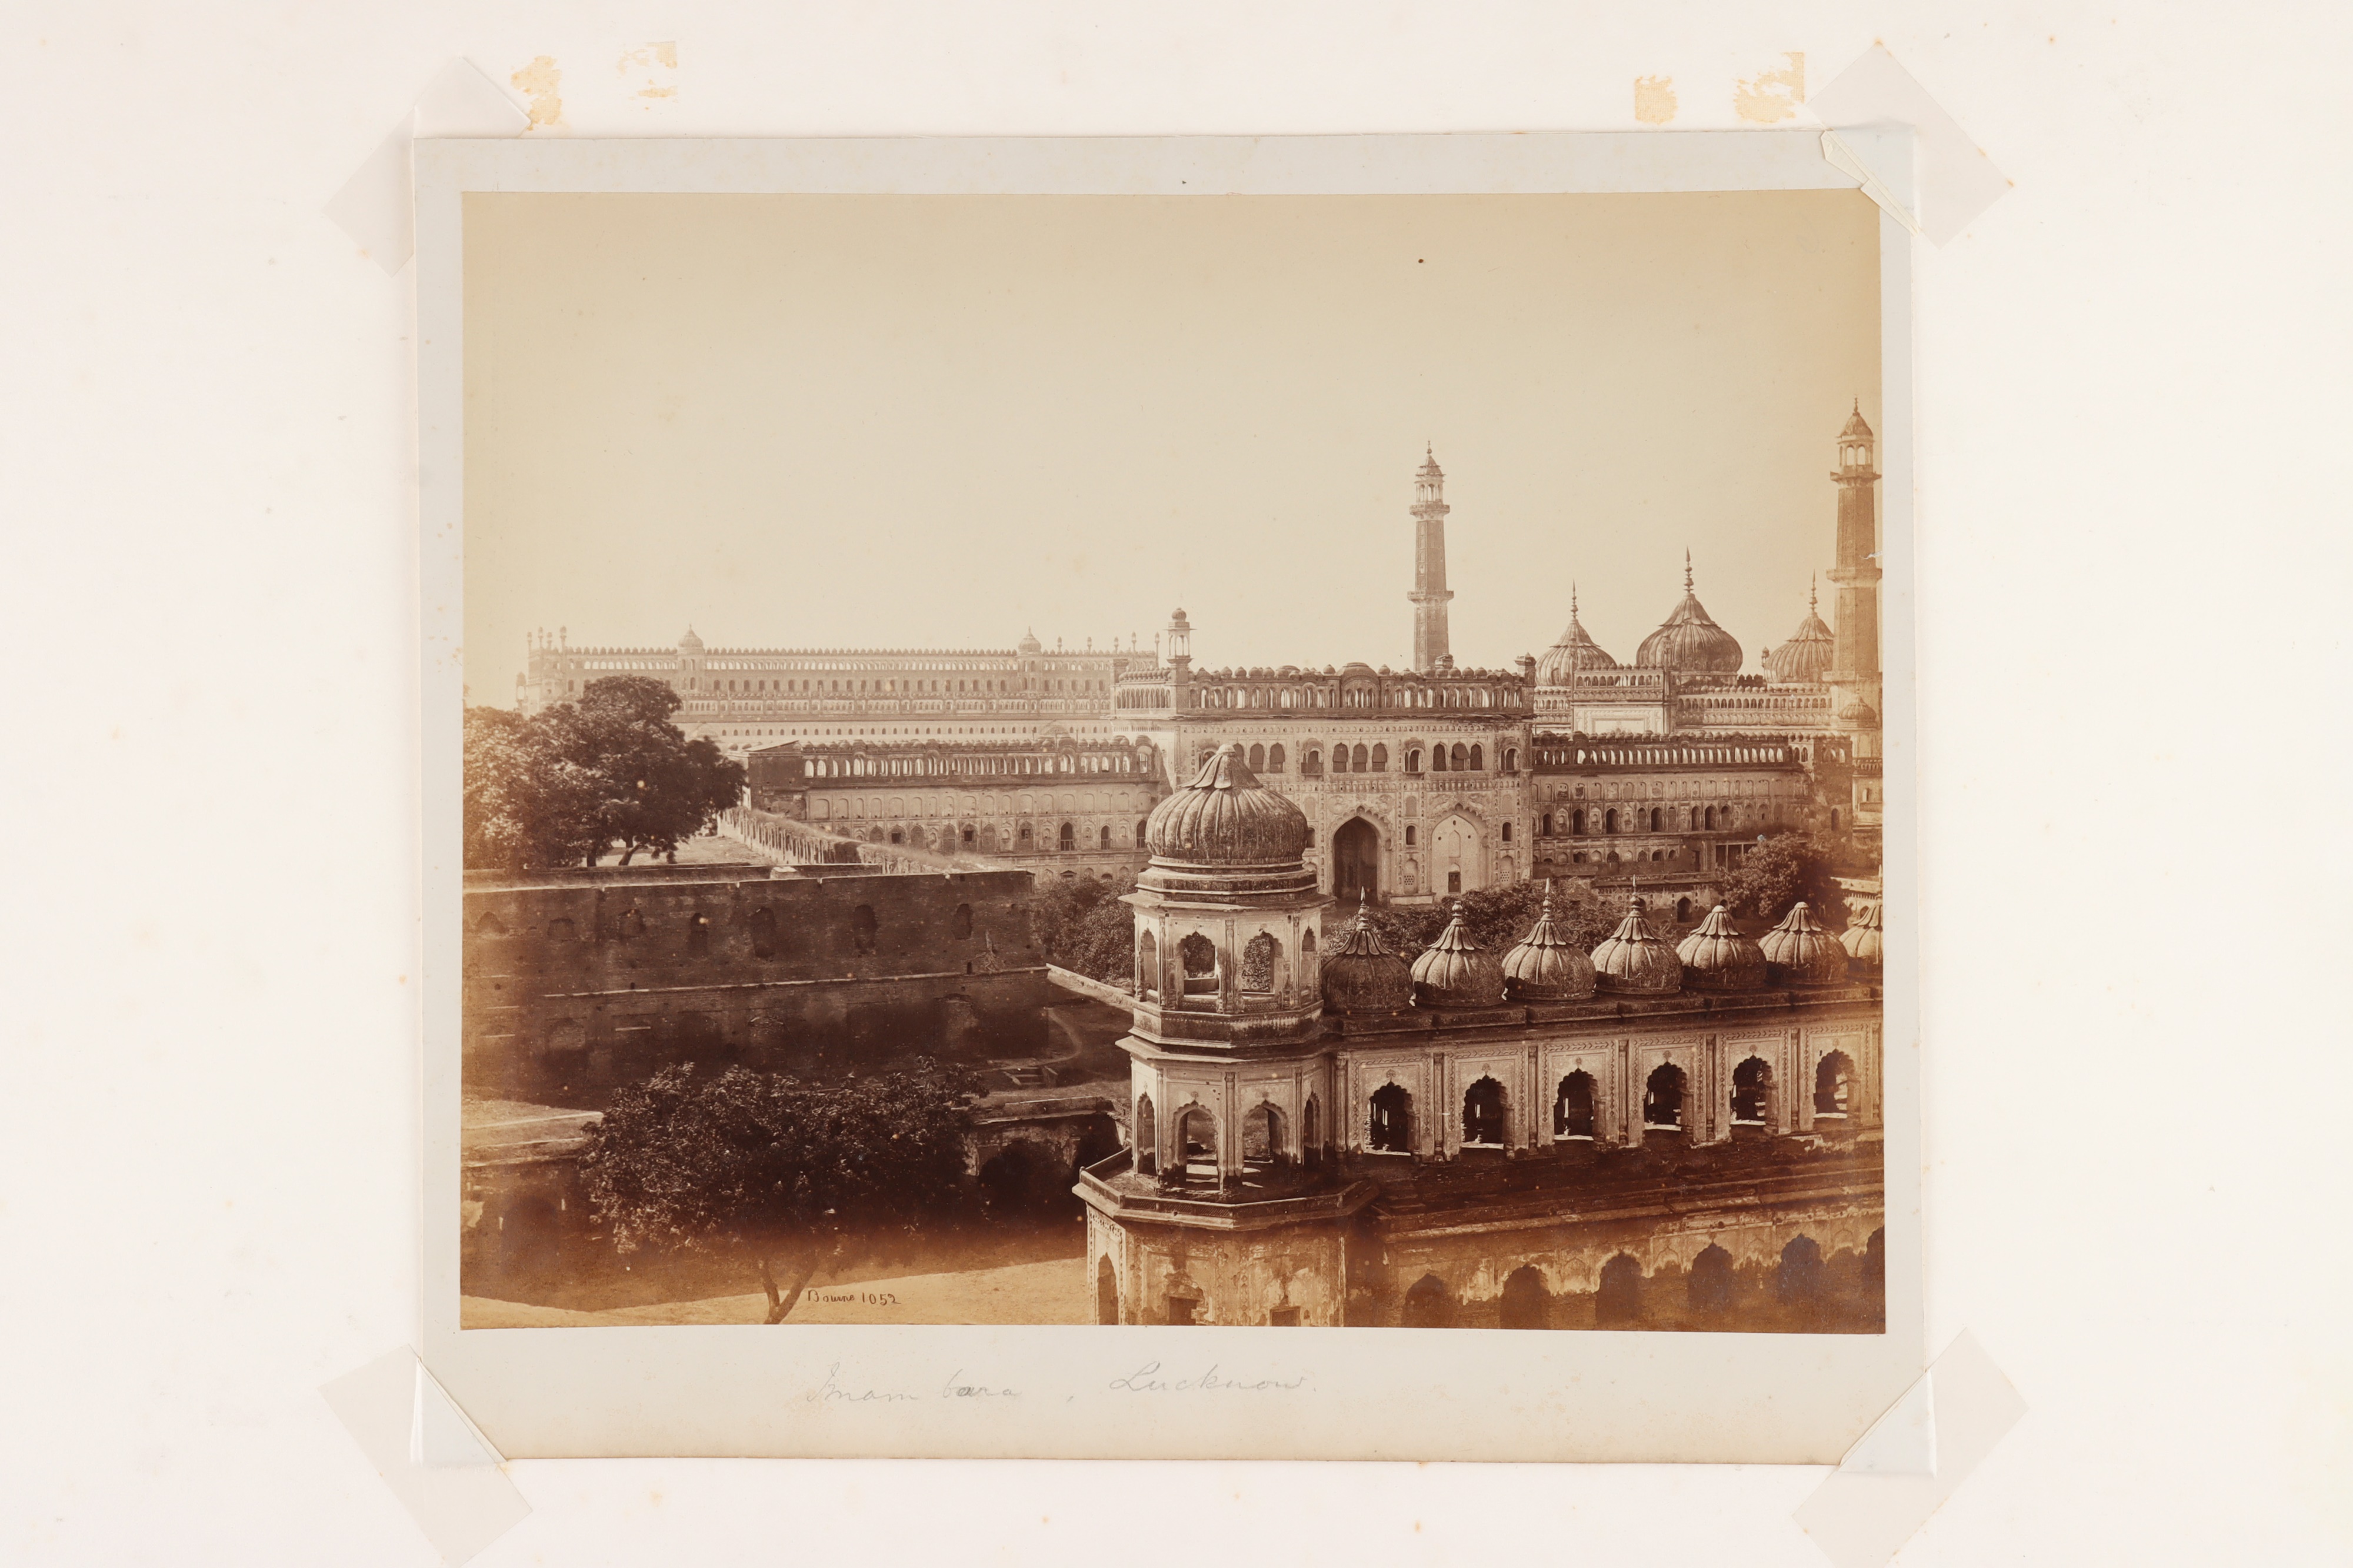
(1322, 1134)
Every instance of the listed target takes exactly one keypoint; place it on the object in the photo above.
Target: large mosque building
(1415, 784)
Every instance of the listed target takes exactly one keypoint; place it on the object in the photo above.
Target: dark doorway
(1197, 1145)
(1798, 1281)
(1427, 1305)
(1663, 1100)
(1572, 1107)
(1027, 1181)
(1392, 1124)
(1527, 1304)
(1619, 1300)
(1752, 1093)
(1106, 1293)
(1709, 1284)
(1482, 1113)
(1356, 860)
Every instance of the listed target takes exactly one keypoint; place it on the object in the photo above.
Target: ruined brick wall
(574, 985)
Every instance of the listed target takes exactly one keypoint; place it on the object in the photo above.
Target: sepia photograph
(1295, 762)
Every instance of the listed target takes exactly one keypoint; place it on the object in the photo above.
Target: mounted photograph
(1133, 760)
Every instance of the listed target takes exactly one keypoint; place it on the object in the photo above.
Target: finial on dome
(1813, 590)
(1572, 598)
(1687, 571)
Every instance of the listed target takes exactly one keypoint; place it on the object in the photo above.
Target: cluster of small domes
(1226, 817)
(1362, 976)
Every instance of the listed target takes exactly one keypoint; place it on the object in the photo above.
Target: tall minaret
(1854, 677)
(1430, 591)
(1854, 658)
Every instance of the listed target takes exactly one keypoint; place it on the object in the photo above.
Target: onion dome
(1360, 975)
(690, 640)
(1029, 643)
(1862, 938)
(1853, 713)
(1633, 959)
(1455, 972)
(1226, 817)
(1806, 657)
(1799, 952)
(1544, 968)
(1575, 651)
(1689, 641)
(1716, 957)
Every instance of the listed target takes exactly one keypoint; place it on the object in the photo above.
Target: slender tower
(1854, 675)
(1854, 660)
(1430, 591)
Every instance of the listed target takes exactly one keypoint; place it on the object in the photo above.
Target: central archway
(1458, 863)
(1356, 860)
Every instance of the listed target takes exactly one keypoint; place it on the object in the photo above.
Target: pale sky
(934, 421)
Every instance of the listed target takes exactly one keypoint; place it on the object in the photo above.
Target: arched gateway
(1356, 860)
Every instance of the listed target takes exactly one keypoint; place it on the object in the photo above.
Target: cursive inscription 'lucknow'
(1146, 1379)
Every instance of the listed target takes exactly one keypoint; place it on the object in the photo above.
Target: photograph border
(946, 1392)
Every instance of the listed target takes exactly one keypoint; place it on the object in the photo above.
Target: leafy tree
(785, 1175)
(1494, 918)
(524, 804)
(1781, 870)
(582, 779)
(1082, 926)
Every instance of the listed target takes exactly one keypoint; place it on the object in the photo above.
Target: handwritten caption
(1146, 1379)
(833, 1390)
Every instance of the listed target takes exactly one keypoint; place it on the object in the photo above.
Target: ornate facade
(1415, 784)
(1302, 1114)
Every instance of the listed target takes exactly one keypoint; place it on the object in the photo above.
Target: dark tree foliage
(580, 780)
(1084, 927)
(1494, 918)
(1781, 870)
(790, 1176)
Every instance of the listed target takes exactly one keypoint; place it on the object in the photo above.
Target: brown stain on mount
(539, 82)
(1771, 97)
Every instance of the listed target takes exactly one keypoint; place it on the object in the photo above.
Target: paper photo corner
(1912, 1458)
(449, 1476)
(1904, 150)
(377, 206)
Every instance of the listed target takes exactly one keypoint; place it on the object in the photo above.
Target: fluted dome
(1360, 975)
(1544, 967)
(1806, 657)
(1029, 643)
(1854, 711)
(1455, 972)
(690, 640)
(1575, 651)
(1716, 957)
(1633, 959)
(1799, 952)
(1689, 641)
(1856, 429)
(1862, 938)
(1226, 817)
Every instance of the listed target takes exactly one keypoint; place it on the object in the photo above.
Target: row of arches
(1799, 1279)
(1317, 759)
(1266, 1139)
(1580, 822)
(1202, 967)
(1486, 1110)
